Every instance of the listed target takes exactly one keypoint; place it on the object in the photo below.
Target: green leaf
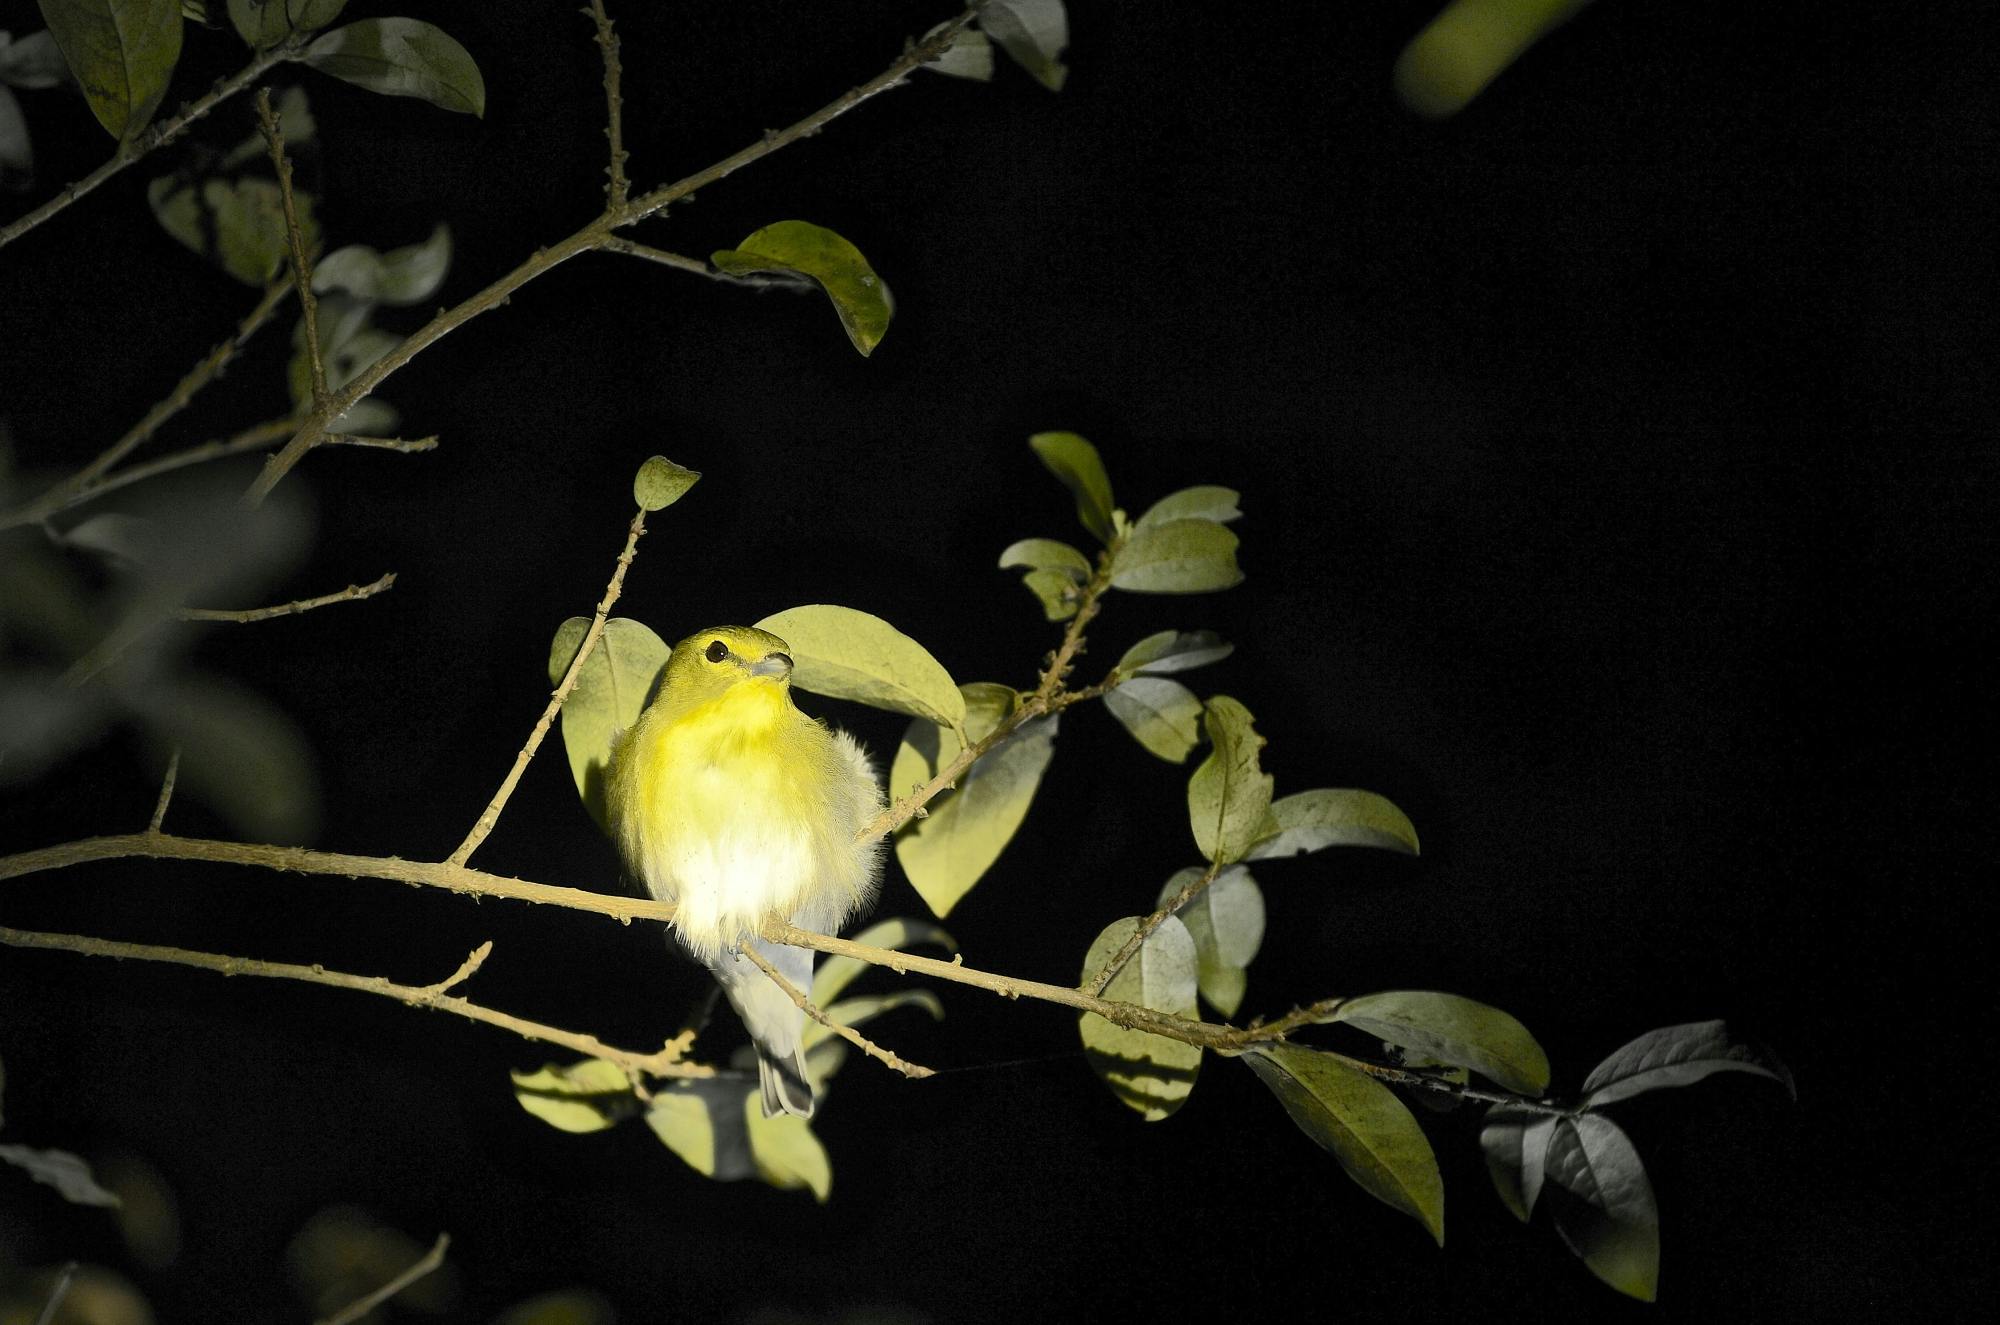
(250, 233)
(402, 276)
(787, 1154)
(900, 933)
(859, 296)
(240, 755)
(1450, 1029)
(1516, 1144)
(1613, 1223)
(950, 849)
(1047, 554)
(1149, 1073)
(402, 57)
(588, 1095)
(1467, 46)
(1226, 921)
(265, 23)
(970, 55)
(61, 1170)
(1162, 715)
(1034, 33)
(610, 692)
(1056, 592)
(1180, 556)
(1076, 463)
(1174, 651)
(1312, 820)
(1375, 1138)
(706, 1124)
(856, 1012)
(660, 483)
(847, 654)
(32, 62)
(1229, 796)
(1679, 1056)
(122, 52)
(1198, 503)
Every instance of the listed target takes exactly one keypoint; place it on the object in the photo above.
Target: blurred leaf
(1516, 1144)
(1047, 554)
(43, 720)
(1148, 1073)
(787, 1154)
(1198, 503)
(859, 296)
(240, 755)
(1679, 1056)
(970, 55)
(610, 692)
(34, 61)
(1174, 651)
(588, 1095)
(1162, 715)
(847, 654)
(3, 1091)
(74, 1294)
(1034, 33)
(402, 57)
(265, 23)
(899, 933)
(61, 1170)
(1076, 463)
(1363, 1124)
(949, 850)
(250, 235)
(122, 53)
(1467, 46)
(660, 483)
(1613, 1224)
(1226, 922)
(1450, 1029)
(1229, 796)
(402, 276)
(343, 1252)
(148, 1216)
(125, 542)
(348, 345)
(704, 1122)
(571, 1306)
(1179, 556)
(853, 1013)
(17, 150)
(1312, 820)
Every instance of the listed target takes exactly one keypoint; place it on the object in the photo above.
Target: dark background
(1617, 467)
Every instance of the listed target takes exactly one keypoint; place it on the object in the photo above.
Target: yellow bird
(730, 803)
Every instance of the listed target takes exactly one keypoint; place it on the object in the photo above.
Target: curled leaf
(1449, 1029)
(1679, 1056)
(1205, 502)
(61, 1170)
(1313, 820)
(1034, 33)
(847, 654)
(1076, 462)
(1229, 796)
(1174, 651)
(859, 296)
(660, 483)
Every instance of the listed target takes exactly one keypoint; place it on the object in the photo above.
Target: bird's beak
(777, 666)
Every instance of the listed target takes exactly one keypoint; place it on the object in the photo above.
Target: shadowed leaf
(1162, 715)
(1516, 1145)
(265, 23)
(1148, 1073)
(1226, 921)
(1605, 1210)
(1174, 651)
(122, 52)
(1077, 464)
(847, 654)
(706, 1124)
(402, 57)
(859, 296)
(1033, 33)
(1679, 1056)
(1450, 1029)
(610, 692)
(900, 933)
(588, 1095)
(1313, 820)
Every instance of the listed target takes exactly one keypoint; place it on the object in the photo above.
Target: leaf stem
(274, 139)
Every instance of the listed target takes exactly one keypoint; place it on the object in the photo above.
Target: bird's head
(710, 663)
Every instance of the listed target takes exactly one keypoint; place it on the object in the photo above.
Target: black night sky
(1618, 476)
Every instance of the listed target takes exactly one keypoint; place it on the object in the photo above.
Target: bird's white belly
(728, 849)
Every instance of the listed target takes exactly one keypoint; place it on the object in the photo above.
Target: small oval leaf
(1329, 817)
(1180, 556)
(1680, 1056)
(1198, 503)
(402, 57)
(1450, 1029)
(1229, 796)
(1148, 1073)
(847, 654)
(1162, 715)
(859, 296)
(1076, 462)
(660, 483)
(1047, 554)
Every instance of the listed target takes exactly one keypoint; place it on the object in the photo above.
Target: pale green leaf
(1612, 1223)
(1034, 33)
(61, 1170)
(249, 218)
(1174, 651)
(32, 62)
(609, 694)
(1077, 464)
(660, 483)
(970, 55)
(706, 1123)
(1450, 1029)
(1056, 592)
(1198, 503)
(949, 850)
(1310, 820)
(1148, 1073)
(1229, 796)
(588, 1095)
(1467, 46)
(1680, 1056)
(122, 52)
(847, 654)
(402, 276)
(1180, 556)
(402, 57)
(240, 755)
(900, 933)
(178, 211)
(265, 23)
(1226, 922)
(1162, 715)
(1047, 554)
(1516, 1145)
(857, 1012)
(859, 296)
(1362, 1123)
(785, 1151)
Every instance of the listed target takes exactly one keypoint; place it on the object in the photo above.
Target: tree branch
(166, 792)
(367, 1302)
(1192, 889)
(351, 593)
(847, 1033)
(274, 139)
(616, 191)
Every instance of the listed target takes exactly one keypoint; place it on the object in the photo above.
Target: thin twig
(162, 133)
(361, 1306)
(616, 191)
(491, 814)
(661, 1064)
(680, 262)
(867, 1046)
(1192, 889)
(274, 139)
(407, 446)
(166, 791)
(352, 593)
(56, 1295)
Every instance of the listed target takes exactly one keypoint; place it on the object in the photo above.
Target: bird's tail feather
(776, 1024)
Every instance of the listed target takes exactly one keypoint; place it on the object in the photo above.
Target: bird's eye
(716, 651)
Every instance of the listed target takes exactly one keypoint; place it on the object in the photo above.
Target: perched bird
(731, 804)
